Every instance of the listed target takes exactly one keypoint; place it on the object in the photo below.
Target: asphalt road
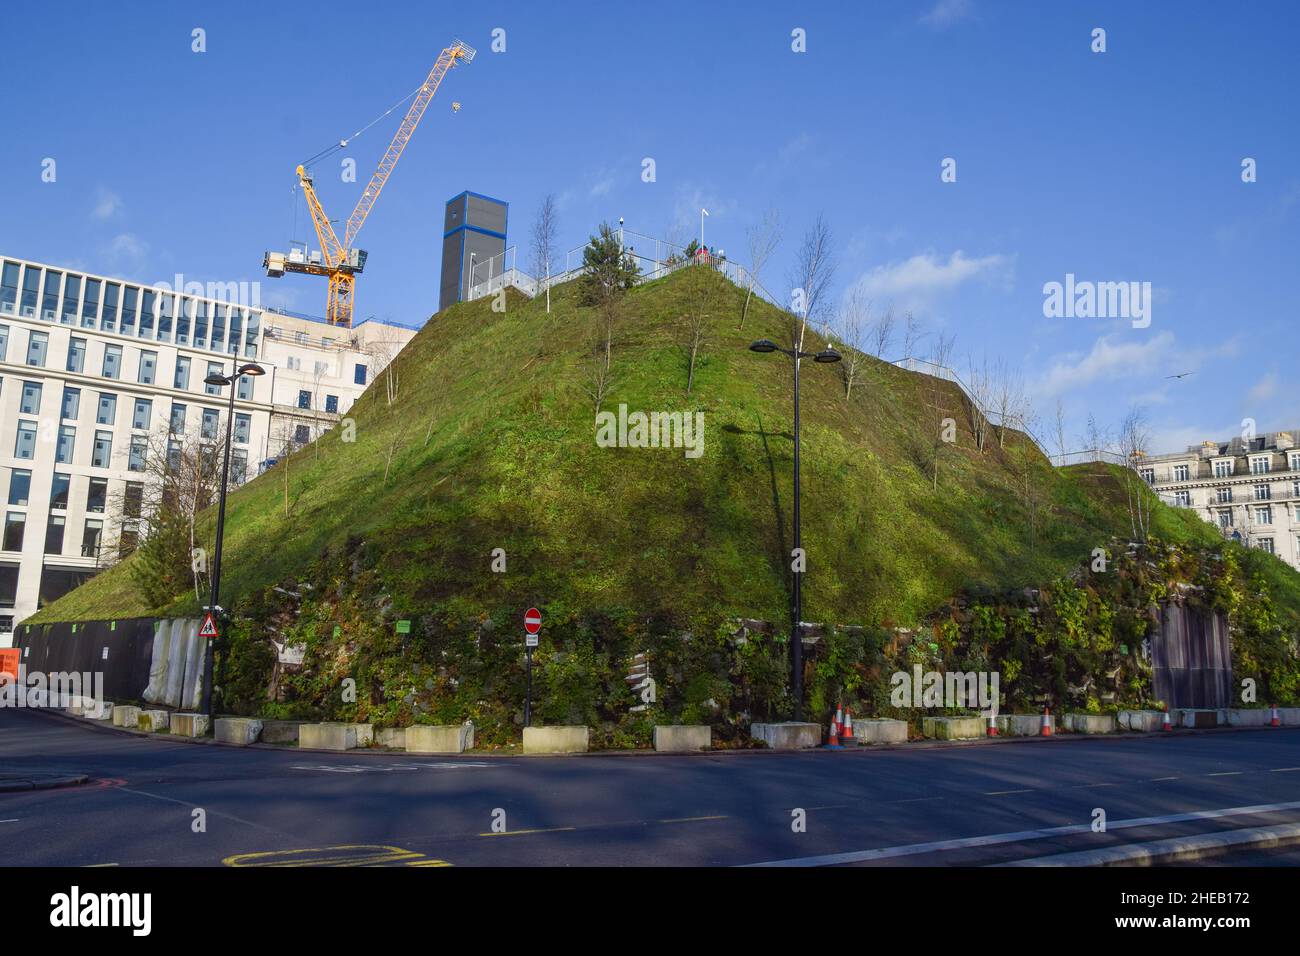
(276, 807)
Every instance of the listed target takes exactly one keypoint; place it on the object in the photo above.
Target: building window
(15, 524)
(25, 442)
(133, 499)
(59, 491)
(177, 426)
(1259, 466)
(97, 496)
(1223, 469)
(38, 344)
(359, 378)
(1264, 514)
(293, 363)
(90, 304)
(31, 284)
(1265, 544)
(243, 424)
(1295, 461)
(1181, 472)
(1225, 518)
(50, 294)
(214, 368)
(211, 419)
(135, 459)
(182, 377)
(304, 399)
(1263, 492)
(112, 361)
(9, 288)
(173, 455)
(238, 465)
(143, 413)
(31, 400)
(245, 388)
(1223, 495)
(332, 404)
(71, 299)
(20, 486)
(1183, 499)
(103, 453)
(67, 444)
(71, 404)
(112, 292)
(148, 363)
(4, 343)
(320, 368)
(1148, 475)
(148, 310)
(107, 413)
(127, 539)
(76, 355)
(54, 534)
(91, 538)
(301, 434)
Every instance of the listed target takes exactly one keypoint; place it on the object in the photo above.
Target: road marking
(1284, 769)
(721, 816)
(527, 832)
(14, 820)
(1021, 836)
(1158, 779)
(386, 768)
(1003, 793)
(1226, 773)
(96, 866)
(1094, 786)
(429, 863)
(195, 806)
(361, 854)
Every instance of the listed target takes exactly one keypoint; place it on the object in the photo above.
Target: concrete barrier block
(365, 734)
(1195, 718)
(240, 731)
(442, 738)
(392, 737)
(1090, 723)
(154, 721)
(679, 738)
(189, 725)
(124, 715)
(98, 710)
(1289, 716)
(330, 736)
(1248, 716)
(953, 728)
(1021, 725)
(280, 731)
(76, 706)
(787, 736)
(555, 740)
(1142, 721)
(880, 730)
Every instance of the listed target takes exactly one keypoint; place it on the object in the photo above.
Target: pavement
(160, 802)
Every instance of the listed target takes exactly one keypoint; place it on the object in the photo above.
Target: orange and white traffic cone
(833, 735)
(992, 730)
(846, 732)
(1274, 718)
(1045, 729)
(1165, 723)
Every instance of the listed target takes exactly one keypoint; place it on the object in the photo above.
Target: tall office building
(98, 374)
(473, 244)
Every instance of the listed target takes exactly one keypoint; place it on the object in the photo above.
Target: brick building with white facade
(95, 371)
(1248, 488)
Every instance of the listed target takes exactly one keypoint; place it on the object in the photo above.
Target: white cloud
(1264, 389)
(601, 187)
(947, 12)
(923, 277)
(1108, 360)
(126, 251)
(107, 204)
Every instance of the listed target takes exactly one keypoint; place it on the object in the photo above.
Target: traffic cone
(1274, 719)
(1165, 723)
(846, 732)
(992, 730)
(833, 735)
(1045, 729)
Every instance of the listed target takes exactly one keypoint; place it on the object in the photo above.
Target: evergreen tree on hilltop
(608, 270)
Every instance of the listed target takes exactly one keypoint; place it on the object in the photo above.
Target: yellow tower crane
(338, 260)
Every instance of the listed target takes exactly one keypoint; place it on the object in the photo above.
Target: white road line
(995, 839)
(1226, 773)
(14, 820)
(1284, 769)
(1158, 779)
(195, 806)
(1003, 793)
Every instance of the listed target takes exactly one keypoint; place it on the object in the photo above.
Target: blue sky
(1115, 166)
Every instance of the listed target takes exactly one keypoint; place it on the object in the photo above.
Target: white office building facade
(1249, 488)
(97, 373)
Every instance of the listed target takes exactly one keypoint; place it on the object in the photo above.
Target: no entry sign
(532, 620)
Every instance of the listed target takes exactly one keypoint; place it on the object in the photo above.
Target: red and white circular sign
(532, 620)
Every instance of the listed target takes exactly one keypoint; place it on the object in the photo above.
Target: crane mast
(339, 262)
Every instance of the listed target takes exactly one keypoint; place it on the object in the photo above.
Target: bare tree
(383, 353)
(855, 316)
(1134, 437)
(544, 230)
(882, 335)
(1059, 425)
(912, 335)
(396, 440)
(694, 324)
(979, 379)
(763, 237)
(1009, 399)
(810, 282)
(944, 431)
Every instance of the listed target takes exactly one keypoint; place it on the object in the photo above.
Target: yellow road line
(526, 832)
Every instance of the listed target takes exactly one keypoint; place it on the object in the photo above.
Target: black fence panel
(121, 650)
(1192, 657)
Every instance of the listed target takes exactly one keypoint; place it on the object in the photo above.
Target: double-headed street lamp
(252, 369)
(825, 357)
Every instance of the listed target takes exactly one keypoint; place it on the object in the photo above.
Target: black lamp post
(252, 369)
(796, 610)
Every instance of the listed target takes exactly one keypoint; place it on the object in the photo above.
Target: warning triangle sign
(209, 626)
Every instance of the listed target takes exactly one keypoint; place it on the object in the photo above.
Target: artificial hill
(489, 444)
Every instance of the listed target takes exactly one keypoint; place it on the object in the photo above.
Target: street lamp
(824, 357)
(252, 369)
